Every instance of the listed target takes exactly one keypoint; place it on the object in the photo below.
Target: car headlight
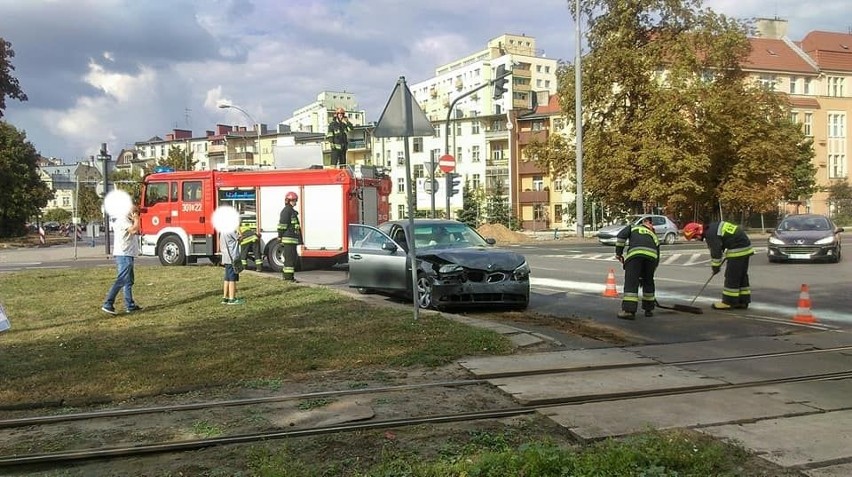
(825, 241)
(776, 241)
(522, 271)
(450, 268)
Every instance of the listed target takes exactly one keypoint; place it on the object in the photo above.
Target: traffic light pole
(448, 177)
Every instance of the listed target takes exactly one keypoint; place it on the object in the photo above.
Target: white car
(665, 229)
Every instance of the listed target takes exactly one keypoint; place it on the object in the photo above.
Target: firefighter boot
(720, 305)
(258, 265)
(626, 315)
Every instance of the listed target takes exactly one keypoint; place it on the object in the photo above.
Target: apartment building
(469, 123)
(813, 73)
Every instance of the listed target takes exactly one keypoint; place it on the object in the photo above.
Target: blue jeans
(123, 280)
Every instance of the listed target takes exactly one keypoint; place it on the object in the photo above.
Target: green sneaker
(224, 301)
(236, 301)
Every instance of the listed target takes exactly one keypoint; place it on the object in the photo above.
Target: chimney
(771, 28)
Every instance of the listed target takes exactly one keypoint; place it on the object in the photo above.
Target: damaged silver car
(455, 265)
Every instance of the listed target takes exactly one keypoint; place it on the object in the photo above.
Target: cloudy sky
(117, 71)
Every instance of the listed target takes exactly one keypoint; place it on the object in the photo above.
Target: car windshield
(427, 236)
(792, 224)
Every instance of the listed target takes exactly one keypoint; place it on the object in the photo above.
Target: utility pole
(578, 120)
(104, 157)
(432, 182)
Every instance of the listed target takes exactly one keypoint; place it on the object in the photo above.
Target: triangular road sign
(402, 116)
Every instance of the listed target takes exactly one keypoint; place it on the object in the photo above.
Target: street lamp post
(250, 118)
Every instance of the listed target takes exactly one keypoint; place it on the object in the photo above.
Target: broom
(689, 308)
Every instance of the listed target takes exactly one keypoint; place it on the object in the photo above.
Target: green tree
(178, 159)
(22, 192)
(668, 116)
(9, 86)
(840, 202)
(56, 214)
(471, 211)
(89, 204)
(129, 181)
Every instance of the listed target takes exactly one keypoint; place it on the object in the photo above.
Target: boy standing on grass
(125, 248)
(229, 245)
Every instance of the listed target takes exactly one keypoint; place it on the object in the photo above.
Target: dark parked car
(805, 237)
(455, 265)
(665, 229)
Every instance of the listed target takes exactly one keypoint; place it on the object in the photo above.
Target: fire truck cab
(177, 206)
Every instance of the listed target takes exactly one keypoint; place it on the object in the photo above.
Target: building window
(418, 144)
(419, 171)
(400, 158)
(66, 201)
(400, 185)
(794, 82)
(474, 154)
(538, 183)
(538, 125)
(836, 166)
(835, 86)
(557, 212)
(400, 211)
(794, 117)
(475, 181)
(458, 128)
(474, 127)
(836, 125)
(459, 154)
(808, 124)
(807, 86)
(437, 130)
(538, 212)
(496, 153)
(557, 185)
(767, 81)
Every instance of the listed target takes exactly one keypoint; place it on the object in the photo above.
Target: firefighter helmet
(693, 230)
(291, 196)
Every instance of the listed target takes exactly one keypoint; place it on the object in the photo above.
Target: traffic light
(455, 184)
(500, 83)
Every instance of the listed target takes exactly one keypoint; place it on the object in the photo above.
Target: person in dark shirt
(640, 263)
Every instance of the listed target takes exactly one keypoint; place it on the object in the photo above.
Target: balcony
(534, 197)
(496, 133)
(216, 149)
(530, 167)
(526, 137)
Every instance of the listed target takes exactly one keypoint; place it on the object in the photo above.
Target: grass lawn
(62, 347)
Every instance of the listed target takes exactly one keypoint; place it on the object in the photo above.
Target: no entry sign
(447, 163)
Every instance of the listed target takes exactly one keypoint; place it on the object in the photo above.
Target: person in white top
(125, 249)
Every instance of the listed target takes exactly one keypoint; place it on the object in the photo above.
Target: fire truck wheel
(171, 251)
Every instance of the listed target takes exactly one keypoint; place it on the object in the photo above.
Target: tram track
(53, 459)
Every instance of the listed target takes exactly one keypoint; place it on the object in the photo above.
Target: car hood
(806, 236)
(479, 258)
(611, 229)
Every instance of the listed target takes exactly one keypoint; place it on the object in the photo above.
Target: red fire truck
(177, 206)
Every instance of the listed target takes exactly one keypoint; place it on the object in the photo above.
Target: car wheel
(424, 291)
(837, 255)
(669, 238)
(171, 251)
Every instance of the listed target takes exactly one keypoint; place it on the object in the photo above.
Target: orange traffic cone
(803, 309)
(610, 291)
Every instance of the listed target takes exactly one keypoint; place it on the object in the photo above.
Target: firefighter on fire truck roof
(290, 235)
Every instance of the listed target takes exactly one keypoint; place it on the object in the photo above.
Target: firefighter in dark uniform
(640, 263)
(338, 137)
(250, 243)
(725, 238)
(289, 235)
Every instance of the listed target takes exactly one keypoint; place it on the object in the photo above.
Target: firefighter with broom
(730, 240)
(640, 263)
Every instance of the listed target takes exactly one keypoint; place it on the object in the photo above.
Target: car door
(376, 261)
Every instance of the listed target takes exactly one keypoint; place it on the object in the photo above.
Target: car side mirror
(490, 241)
(389, 246)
